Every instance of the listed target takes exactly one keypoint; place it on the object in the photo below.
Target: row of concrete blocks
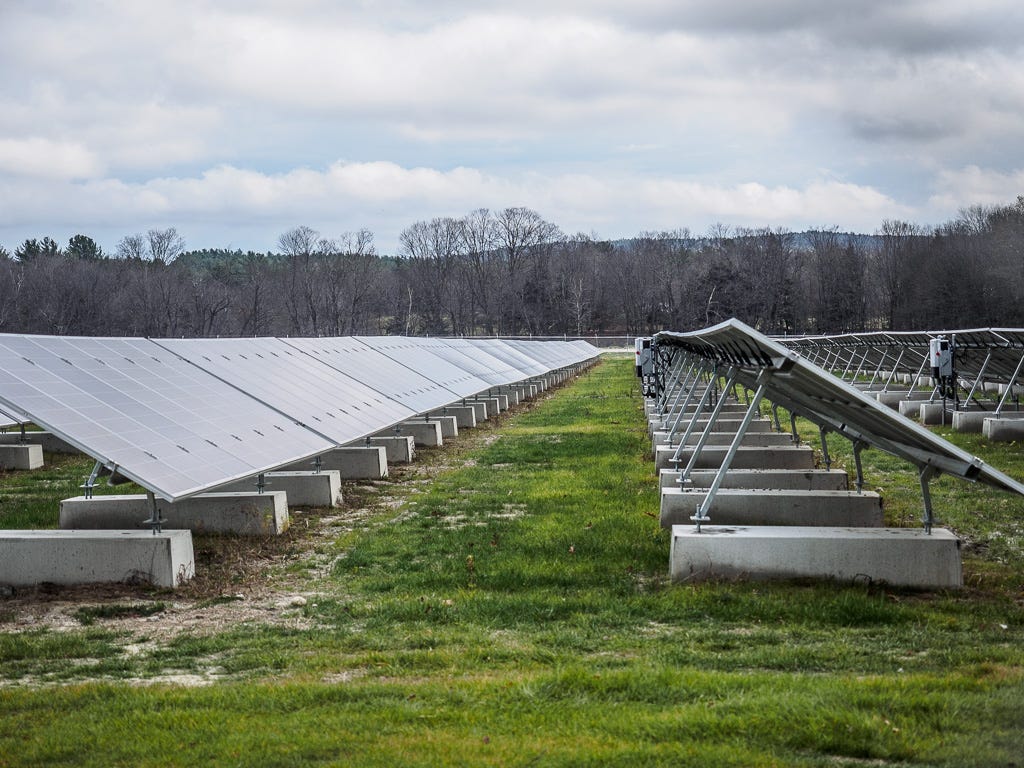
(1007, 426)
(106, 538)
(776, 516)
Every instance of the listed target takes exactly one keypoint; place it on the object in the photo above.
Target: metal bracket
(155, 520)
(824, 448)
(90, 482)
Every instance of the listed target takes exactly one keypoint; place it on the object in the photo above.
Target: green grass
(516, 610)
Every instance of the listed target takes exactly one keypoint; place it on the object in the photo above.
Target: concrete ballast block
(21, 456)
(1003, 430)
(904, 557)
(745, 506)
(783, 479)
(28, 558)
(779, 457)
(302, 489)
(353, 462)
(465, 415)
(241, 512)
(400, 449)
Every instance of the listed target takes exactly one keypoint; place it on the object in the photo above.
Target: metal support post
(688, 390)
(775, 416)
(693, 423)
(892, 373)
(977, 381)
(858, 446)
(155, 521)
(1010, 386)
(702, 509)
(261, 482)
(927, 473)
(792, 426)
(90, 482)
(824, 448)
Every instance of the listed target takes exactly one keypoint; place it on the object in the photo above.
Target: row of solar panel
(793, 382)
(990, 354)
(180, 416)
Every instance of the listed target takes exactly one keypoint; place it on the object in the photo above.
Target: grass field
(506, 602)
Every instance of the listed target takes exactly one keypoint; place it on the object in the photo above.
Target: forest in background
(511, 272)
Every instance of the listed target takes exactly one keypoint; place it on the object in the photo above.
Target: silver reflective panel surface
(301, 387)
(527, 365)
(793, 382)
(359, 360)
(165, 424)
(479, 362)
(416, 354)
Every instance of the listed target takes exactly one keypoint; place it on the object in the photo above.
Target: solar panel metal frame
(797, 384)
(132, 405)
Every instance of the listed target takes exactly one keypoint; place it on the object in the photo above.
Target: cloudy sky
(234, 121)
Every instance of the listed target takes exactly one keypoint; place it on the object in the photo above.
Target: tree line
(511, 272)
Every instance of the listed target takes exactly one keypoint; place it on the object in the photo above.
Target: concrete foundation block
(763, 439)
(902, 557)
(425, 433)
(480, 410)
(362, 462)
(493, 404)
(932, 414)
(465, 416)
(782, 457)
(50, 442)
(721, 425)
(245, 513)
(893, 399)
(910, 408)
(29, 558)
(449, 426)
(29, 456)
(969, 421)
(302, 489)
(1003, 430)
(783, 479)
(400, 449)
(741, 506)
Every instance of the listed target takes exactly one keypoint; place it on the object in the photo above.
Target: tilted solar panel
(397, 381)
(298, 385)
(416, 354)
(478, 362)
(164, 423)
(527, 365)
(797, 384)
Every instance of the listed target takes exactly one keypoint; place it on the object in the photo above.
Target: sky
(235, 121)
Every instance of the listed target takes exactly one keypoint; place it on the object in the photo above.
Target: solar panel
(164, 423)
(420, 355)
(500, 349)
(298, 385)
(479, 362)
(793, 382)
(552, 354)
(397, 381)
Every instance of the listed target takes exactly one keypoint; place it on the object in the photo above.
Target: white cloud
(386, 197)
(956, 189)
(38, 157)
